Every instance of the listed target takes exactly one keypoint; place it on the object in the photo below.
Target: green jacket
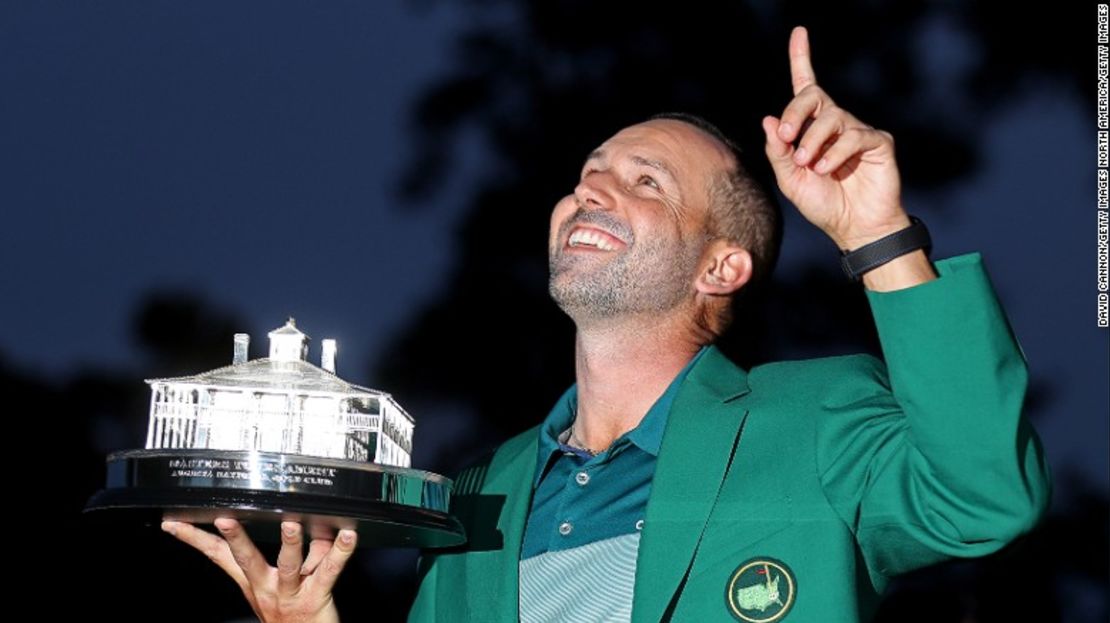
(796, 490)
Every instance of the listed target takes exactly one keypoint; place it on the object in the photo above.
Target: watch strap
(874, 254)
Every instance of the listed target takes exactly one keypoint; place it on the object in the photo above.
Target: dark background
(175, 172)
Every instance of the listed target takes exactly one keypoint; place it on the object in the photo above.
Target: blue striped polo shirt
(578, 559)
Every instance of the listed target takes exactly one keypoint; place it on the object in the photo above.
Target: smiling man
(669, 484)
(630, 238)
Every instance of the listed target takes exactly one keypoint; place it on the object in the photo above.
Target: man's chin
(572, 279)
(581, 298)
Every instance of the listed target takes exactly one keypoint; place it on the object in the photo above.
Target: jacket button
(582, 478)
(565, 528)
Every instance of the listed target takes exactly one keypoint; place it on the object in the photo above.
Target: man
(669, 484)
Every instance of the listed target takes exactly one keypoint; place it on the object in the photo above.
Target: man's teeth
(590, 238)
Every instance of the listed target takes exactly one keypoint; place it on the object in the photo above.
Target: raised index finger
(801, 70)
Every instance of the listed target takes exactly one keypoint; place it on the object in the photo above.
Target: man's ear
(725, 268)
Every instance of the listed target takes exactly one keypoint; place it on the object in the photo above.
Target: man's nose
(595, 191)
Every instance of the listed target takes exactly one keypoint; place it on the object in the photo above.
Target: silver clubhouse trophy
(275, 439)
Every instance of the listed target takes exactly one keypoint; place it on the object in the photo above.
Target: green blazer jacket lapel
(703, 430)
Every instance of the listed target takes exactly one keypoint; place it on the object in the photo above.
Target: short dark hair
(741, 209)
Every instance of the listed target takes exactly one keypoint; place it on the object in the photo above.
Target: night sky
(248, 154)
(243, 153)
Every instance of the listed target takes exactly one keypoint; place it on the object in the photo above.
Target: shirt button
(640, 524)
(582, 478)
(565, 528)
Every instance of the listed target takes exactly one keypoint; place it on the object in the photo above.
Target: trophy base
(388, 506)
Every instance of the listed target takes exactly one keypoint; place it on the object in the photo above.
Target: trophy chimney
(242, 346)
(288, 343)
(327, 355)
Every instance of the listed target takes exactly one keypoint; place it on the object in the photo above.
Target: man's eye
(648, 180)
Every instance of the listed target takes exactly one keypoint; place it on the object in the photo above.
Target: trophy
(280, 439)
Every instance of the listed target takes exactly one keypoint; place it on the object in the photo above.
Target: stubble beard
(649, 277)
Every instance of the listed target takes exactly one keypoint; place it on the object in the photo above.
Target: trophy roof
(289, 328)
(268, 374)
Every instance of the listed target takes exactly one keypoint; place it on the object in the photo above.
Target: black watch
(875, 254)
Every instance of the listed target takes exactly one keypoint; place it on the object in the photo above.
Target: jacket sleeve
(929, 456)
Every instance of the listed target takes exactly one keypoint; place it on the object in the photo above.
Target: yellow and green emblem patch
(761, 590)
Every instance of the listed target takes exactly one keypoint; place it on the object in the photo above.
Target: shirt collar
(648, 435)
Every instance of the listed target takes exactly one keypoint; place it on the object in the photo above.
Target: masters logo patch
(761, 590)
